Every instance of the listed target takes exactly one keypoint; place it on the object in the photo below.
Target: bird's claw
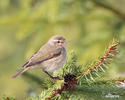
(56, 78)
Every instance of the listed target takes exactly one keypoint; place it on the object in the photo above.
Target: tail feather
(20, 72)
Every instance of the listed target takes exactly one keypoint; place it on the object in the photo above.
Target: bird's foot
(56, 78)
(53, 78)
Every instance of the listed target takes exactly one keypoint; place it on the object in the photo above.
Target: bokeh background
(25, 25)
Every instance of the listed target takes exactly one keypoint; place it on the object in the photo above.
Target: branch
(114, 10)
(69, 83)
(110, 54)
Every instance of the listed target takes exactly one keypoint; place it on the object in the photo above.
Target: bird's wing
(43, 55)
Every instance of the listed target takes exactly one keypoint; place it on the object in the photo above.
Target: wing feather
(42, 55)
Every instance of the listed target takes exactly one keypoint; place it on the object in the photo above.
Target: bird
(50, 57)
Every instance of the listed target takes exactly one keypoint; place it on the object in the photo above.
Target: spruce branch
(99, 88)
(69, 83)
(104, 61)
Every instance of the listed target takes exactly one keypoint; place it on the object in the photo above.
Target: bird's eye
(58, 41)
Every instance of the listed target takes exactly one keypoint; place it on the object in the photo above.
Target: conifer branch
(104, 61)
(69, 83)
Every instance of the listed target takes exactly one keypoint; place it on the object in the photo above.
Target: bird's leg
(53, 78)
(49, 74)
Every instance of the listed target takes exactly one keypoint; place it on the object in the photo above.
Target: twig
(103, 60)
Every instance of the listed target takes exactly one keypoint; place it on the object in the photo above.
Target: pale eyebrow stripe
(55, 40)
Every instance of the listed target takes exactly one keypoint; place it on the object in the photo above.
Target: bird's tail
(20, 72)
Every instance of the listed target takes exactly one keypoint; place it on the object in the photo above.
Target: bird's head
(57, 41)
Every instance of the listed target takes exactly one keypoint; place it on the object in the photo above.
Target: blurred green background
(25, 25)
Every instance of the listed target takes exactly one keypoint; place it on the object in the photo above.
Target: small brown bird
(49, 58)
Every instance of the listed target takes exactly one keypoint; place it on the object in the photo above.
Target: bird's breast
(55, 63)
